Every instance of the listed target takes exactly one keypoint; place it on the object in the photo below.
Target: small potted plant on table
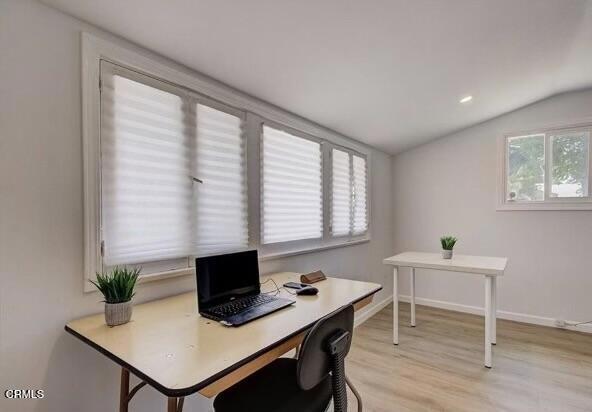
(448, 243)
(117, 287)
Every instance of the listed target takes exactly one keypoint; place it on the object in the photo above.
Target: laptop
(228, 289)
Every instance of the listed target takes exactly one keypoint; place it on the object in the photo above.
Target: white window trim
(95, 49)
(548, 203)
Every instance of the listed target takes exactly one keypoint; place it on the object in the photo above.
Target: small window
(547, 170)
(291, 187)
(349, 205)
(570, 170)
(526, 168)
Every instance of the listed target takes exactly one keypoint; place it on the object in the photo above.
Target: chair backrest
(314, 360)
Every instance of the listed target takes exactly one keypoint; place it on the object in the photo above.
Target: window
(360, 196)
(547, 170)
(526, 168)
(349, 214)
(570, 167)
(172, 173)
(291, 189)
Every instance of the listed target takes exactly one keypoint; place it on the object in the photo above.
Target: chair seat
(274, 389)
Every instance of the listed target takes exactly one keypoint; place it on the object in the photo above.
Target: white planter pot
(118, 313)
(446, 254)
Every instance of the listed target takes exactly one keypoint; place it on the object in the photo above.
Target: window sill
(580, 205)
(152, 277)
(304, 250)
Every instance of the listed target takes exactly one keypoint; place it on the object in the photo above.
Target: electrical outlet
(560, 323)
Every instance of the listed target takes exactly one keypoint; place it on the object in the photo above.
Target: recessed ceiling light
(466, 99)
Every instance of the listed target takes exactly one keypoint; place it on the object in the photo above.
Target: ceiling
(389, 73)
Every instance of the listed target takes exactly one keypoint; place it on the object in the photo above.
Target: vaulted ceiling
(386, 72)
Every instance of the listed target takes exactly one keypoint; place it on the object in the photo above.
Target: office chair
(304, 384)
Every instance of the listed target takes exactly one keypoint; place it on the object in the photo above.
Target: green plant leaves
(118, 285)
(448, 242)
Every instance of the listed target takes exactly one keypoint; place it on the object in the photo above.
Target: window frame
(218, 96)
(351, 236)
(173, 266)
(273, 248)
(548, 202)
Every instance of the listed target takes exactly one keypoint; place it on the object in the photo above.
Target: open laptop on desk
(228, 289)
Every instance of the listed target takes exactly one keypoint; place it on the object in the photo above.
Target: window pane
(526, 168)
(360, 220)
(146, 191)
(221, 200)
(570, 164)
(341, 197)
(154, 139)
(291, 187)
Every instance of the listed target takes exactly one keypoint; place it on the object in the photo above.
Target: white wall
(449, 186)
(41, 215)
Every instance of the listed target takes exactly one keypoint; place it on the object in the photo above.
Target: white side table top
(481, 265)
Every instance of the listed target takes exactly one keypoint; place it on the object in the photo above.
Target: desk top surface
(481, 265)
(169, 345)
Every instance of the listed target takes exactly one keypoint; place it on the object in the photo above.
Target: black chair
(304, 384)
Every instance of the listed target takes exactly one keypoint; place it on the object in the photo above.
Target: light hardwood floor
(438, 365)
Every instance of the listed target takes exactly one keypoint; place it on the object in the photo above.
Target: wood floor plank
(438, 366)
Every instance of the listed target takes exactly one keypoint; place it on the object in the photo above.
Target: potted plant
(117, 287)
(448, 243)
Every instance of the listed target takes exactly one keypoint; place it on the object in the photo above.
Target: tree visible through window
(570, 157)
(526, 168)
(546, 166)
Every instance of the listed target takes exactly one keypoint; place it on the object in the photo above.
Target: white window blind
(155, 138)
(360, 212)
(341, 197)
(222, 198)
(349, 207)
(291, 187)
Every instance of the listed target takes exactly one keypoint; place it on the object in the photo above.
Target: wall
(449, 186)
(41, 216)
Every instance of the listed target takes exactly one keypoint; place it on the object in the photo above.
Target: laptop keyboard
(237, 306)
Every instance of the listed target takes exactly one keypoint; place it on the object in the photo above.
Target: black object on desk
(228, 289)
(307, 290)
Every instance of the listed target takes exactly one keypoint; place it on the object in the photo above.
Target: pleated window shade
(360, 205)
(341, 205)
(222, 198)
(154, 140)
(291, 187)
(349, 209)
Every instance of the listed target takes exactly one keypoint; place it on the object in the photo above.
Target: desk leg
(493, 310)
(488, 318)
(175, 404)
(396, 305)
(412, 283)
(124, 390)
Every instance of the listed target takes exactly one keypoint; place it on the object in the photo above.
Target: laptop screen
(224, 277)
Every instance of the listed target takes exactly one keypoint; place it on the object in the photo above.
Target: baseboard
(371, 310)
(501, 314)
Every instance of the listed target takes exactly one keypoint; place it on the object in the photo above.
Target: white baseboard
(371, 310)
(501, 314)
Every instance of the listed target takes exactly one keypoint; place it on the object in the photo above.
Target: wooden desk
(489, 267)
(170, 347)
